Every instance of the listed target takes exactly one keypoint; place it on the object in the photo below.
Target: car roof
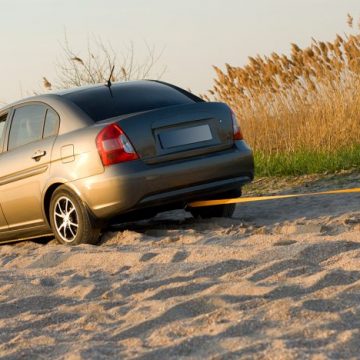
(89, 90)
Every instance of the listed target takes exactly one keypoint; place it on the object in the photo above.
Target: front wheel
(207, 212)
(70, 220)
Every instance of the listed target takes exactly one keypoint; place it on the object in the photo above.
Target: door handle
(38, 154)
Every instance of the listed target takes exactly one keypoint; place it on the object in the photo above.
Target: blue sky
(194, 34)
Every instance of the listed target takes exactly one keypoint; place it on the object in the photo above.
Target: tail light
(236, 128)
(114, 146)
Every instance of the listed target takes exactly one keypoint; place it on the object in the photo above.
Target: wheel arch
(50, 191)
(47, 198)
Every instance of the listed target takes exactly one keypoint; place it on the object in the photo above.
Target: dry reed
(306, 101)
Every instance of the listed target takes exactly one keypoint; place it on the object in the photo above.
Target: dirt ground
(281, 280)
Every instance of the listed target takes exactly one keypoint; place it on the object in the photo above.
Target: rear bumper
(135, 185)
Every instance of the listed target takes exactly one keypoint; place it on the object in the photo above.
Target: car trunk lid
(179, 132)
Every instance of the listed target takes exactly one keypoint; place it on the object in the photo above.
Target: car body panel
(3, 222)
(75, 155)
(25, 233)
(21, 183)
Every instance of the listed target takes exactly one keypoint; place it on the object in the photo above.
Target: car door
(3, 117)
(25, 164)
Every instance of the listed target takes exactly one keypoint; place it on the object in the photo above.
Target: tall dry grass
(308, 101)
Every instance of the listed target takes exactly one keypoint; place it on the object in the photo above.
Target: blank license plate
(185, 136)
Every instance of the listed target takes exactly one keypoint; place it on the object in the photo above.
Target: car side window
(27, 125)
(2, 129)
(52, 122)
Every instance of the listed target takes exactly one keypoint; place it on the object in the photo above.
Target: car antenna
(108, 83)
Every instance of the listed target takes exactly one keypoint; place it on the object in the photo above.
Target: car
(74, 161)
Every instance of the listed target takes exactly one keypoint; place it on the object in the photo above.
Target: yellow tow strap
(265, 198)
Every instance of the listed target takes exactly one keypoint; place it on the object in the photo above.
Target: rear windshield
(102, 103)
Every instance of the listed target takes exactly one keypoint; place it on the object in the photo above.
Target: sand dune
(279, 281)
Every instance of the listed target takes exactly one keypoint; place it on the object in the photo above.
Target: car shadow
(258, 214)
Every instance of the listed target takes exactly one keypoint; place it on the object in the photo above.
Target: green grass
(307, 162)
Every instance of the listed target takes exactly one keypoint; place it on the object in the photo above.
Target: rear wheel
(208, 212)
(226, 210)
(70, 220)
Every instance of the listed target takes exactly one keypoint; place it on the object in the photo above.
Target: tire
(70, 221)
(207, 212)
(224, 211)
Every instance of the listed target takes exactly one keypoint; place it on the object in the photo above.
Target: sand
(281, 280)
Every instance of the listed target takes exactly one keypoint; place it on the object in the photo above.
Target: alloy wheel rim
(66, 219)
